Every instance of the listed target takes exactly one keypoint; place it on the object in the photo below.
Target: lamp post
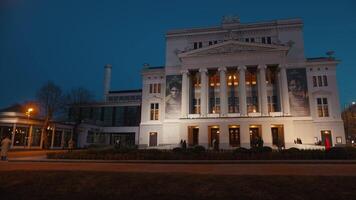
(28, 113)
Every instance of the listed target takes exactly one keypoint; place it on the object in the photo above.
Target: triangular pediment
(232, 47)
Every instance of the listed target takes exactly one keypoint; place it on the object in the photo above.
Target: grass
(107, 185)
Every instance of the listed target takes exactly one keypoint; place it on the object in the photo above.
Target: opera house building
(238, 83)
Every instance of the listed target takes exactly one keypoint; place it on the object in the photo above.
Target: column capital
(241, 68)
(185, 71)
(262, 66)
(282, 66)
(222, 69)
(203, 70)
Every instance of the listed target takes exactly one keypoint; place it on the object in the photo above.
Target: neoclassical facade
(238, 84)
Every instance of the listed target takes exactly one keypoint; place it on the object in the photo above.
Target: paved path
(218, 169)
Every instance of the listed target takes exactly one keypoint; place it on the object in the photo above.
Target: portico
(222, 69)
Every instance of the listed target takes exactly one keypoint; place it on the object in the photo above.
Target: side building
(25, 130)
(239, 83)
(114, 121)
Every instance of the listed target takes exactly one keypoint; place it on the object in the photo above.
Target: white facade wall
(286, 50)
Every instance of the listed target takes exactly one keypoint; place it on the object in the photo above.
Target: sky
(70, 41)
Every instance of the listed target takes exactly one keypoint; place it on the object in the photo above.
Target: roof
(317, 59)
(240, 26)
(14, 108)
(125, 91)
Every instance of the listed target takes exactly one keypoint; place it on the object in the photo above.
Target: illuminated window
(232, 90)
(154, 112)
(214, 91)
(322, 106)
(195, 92)
(251, 90)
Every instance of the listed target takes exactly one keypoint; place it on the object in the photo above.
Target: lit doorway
(234, 136)
(193, 135)
(255, 136)
(214, 137)
(326, 138)
(277, 136)
(153, 139)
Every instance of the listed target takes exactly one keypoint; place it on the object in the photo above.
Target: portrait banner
(173, 96)
(298, 92)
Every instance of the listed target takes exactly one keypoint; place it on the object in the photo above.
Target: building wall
(284, 34)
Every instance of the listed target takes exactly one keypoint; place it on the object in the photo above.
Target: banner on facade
(298, 92)
(173, 96)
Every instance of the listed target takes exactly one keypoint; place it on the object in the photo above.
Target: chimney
(107, 79)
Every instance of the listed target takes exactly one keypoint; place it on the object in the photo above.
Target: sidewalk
(43, 158)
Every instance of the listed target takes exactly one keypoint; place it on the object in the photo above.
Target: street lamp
(28, 113)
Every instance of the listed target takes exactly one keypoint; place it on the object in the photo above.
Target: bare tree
(50, 99)
(75, 98)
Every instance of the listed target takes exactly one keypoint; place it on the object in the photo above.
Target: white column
(204, 92)
(13, 135)
(284, 87)
(263, 89)
(223, 92)
(242, 91)
(185, 94)
(29, 139)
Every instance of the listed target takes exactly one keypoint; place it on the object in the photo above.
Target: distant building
(238, 83)
(349, 118)
(116, 120)
(25, 131)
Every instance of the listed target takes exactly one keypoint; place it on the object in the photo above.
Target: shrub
(292, 150)
(241, 150)
(177, 150)
(198, 149)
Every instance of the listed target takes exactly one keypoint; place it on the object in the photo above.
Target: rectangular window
(200, 44)
(263, 40)
(154, 111)
(195, 45)
(269, 41)
(338, 140)
(247, 39)
(151, 88)
(325, 80)
(155, 88)
(252, 39)
(320, 82)
(210, 43)
(315, 84)
(215, 42)
(322, 106)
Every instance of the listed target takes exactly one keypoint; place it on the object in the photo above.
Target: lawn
(107, 185)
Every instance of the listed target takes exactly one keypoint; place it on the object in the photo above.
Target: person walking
(5, 146)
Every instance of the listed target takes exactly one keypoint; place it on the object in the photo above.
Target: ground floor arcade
(230, 133)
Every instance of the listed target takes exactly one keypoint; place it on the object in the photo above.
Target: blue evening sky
(69, 41)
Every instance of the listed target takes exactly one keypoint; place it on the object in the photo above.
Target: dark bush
(198, 149)
(266, 149)
(177, 150)
(292, 150)
(241, 150)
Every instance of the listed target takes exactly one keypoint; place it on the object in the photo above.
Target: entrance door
(193, 135)
(326, 138)
(153, 139)
(234, 137)
(255, 137)
(277, 136)
(214, 137)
